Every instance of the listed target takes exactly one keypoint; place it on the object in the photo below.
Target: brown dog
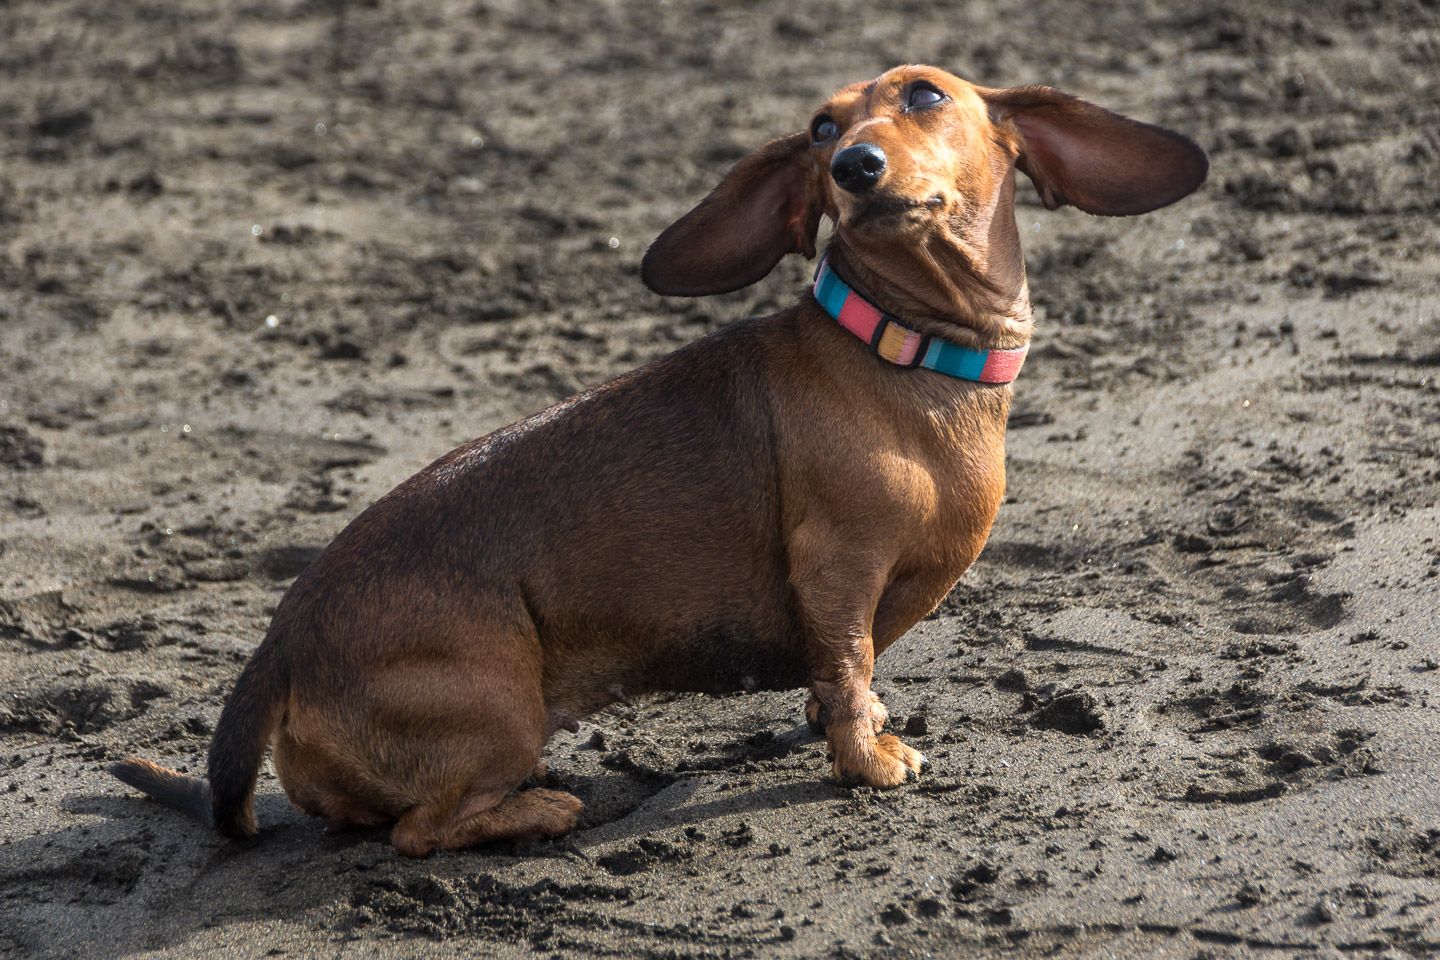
(769, 507)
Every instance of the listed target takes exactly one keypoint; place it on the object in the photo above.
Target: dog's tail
(225, 799)
(171, 787)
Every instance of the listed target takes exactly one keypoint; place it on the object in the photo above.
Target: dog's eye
(824, 129)
(923, 95)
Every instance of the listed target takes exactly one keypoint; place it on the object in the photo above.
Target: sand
(1184, 705)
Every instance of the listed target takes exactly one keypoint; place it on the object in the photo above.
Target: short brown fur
(769, 507)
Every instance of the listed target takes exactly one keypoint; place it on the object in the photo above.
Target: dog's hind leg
(474, 729)
(532, 814)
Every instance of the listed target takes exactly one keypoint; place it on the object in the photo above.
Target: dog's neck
(904, 346)
(964, 283)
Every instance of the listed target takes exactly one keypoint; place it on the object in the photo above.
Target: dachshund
(769, 507)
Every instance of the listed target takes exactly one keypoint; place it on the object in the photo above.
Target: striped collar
(905, 347)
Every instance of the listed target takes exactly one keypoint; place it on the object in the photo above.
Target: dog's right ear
(1079, 154)
(768, 205)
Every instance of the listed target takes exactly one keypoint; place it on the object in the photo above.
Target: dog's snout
(858, 167)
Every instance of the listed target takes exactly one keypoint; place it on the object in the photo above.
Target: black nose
(858, 167)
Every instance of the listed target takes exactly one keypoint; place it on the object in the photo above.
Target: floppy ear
(767, 206)
(1098, 161)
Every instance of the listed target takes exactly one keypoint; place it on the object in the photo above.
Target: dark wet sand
(1183, 706)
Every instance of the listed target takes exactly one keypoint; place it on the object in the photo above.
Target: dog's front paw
(817, 715)
(888, 763)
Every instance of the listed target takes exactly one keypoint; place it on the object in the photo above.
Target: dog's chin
(881, 215)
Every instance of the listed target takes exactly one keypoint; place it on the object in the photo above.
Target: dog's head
(915, 157)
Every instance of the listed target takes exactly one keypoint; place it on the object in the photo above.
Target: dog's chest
(945, 532)
(942, 511)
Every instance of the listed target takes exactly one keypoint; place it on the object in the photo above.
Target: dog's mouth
(881, 210)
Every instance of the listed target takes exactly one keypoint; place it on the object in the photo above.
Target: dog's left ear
(767, 206)
(1098, 161)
